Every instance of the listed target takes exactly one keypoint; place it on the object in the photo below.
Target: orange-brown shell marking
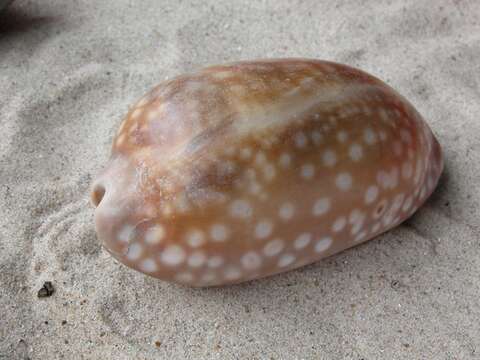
(245, 170)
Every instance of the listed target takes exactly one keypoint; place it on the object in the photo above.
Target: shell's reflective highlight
(242, 171)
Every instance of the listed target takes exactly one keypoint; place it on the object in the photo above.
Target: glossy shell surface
(245, 170)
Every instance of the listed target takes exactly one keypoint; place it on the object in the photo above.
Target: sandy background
(70, 69)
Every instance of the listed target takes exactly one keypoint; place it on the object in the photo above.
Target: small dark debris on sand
(47, 290)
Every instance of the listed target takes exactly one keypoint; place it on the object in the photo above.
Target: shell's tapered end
(246, 170)
(117, 201)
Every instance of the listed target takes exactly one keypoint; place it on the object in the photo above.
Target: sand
(68, 72)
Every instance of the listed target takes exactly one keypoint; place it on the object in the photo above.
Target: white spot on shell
(371, 194)
(369, 136)
(317, 137)
(241, 209)
(383, 179)
(323, 244)
(154, 235)
(344, 181)
(153, 115)
(329, 158)
(219, 232)
(387, 220)
(397, 202)
(251, 260)
(396, 221)
(300, 140)
(360, 237)
(384, 115)
(260, 158)
(273, 247)
(355, 152)
(285, 160)
(232, 273)
(263, 229)
(407, 204)
(195, 238)
(357, 218)
(388, 180)
(286, 260)
(230, 150)
(342, 136)
(382, 135)
(417, 191)
(246, 153)
(269, 172)
(307, 171)
(250, 174)
(376, 227)
(225, 168)
(215, 262)
(196, 259)
(321, 206)
(173, 255)
(149, 210)
(134, 251)
(422, 192)
(339, 224)
(181, 203)
(302, 241)
(208, 278)
(356, 227)
(354, 216)
(393, 178)
(125, 233)
(286, 211)
(184, 277)
(148, 266)
(255, 189)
